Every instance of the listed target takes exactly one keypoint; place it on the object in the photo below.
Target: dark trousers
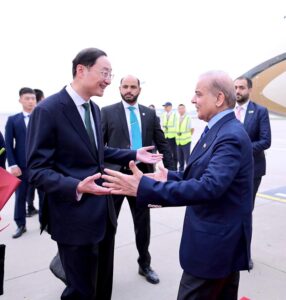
(89, 269)
(173, 149)
(141, 221)
(20, 200)
(183, 155)
(31, 197)
(194, 288)
(256, 184)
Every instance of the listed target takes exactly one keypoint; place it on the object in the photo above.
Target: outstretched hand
(89, 186)
(148, 157)
(161, 175)
(122, 184)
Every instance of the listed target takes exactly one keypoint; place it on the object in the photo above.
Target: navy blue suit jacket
(257, 125)
(3, 155)
(59, 156)
(15, 138)
(216, 187)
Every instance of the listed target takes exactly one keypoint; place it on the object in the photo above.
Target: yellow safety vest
(169, 125)
(183, 134)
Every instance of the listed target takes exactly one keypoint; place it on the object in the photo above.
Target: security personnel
(169, 124)
(184, 132)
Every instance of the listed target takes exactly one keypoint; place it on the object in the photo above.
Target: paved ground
(26, 269)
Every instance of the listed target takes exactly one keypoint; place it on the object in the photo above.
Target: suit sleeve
(119, 156)
(162, 144)
(3, 155)
(226, 158)
(41, 153)
(264, 140)
(9, 139)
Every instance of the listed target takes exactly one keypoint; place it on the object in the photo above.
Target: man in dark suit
(216, 187)
(3, 154)
(118, 126)
(15, 138)
(255, 119)
(65, 159)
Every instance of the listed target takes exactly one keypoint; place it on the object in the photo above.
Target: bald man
(128, 125)
(216, 187)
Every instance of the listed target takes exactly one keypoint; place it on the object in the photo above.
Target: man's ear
(220, 99)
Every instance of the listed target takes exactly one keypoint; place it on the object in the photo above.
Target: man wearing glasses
(65, 159)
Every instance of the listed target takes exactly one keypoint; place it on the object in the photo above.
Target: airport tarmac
(28, 277)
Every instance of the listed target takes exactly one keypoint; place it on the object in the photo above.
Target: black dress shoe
(31, 212)
(149, 274)
(57, 269)
(20, 230)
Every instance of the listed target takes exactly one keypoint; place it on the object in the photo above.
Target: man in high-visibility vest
(169, 125)
(184, 132)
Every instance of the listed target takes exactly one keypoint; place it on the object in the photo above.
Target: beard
(128, 99)
(241, 99)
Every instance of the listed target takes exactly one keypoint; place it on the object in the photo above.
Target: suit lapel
(249, 114)
(122, 120)
(71, 113)
(143, 115)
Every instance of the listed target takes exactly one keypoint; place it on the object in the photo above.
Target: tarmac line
(271, 198)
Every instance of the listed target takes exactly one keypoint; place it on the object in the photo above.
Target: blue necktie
(204, 132)
(136, 140)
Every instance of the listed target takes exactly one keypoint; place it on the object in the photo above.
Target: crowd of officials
(84, 162)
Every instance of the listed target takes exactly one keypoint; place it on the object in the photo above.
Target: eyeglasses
(106, 75)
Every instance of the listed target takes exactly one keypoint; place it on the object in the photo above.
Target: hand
(161, 175)
(90, 187)
(16, 171)
(122, 184)
(147, 157)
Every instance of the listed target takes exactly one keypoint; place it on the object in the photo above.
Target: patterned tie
(88, 125)
(238, 112)
(136, 140)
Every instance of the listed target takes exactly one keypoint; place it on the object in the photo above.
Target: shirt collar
(126, 105)
(26, 114)
(217, 117)
(244, 106)
(77, 99)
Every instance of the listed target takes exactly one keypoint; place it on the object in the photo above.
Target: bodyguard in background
(255, 119)
(15, 138)
(129, 125)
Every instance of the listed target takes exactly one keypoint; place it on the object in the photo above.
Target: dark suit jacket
(3, 155)
(15, 138)
(257, 125)
(217, 188)
(59, 157)
(116, 134)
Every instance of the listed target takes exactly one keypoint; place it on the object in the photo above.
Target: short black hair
(39, 95)
(26, 90)
(248, 80)
(86, 57)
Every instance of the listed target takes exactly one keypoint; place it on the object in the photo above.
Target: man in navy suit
(216, 187)
(15, 138)
(3, 155)
(255, 119)
(65, 159)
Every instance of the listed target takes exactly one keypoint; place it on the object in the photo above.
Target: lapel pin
(251, 112)
(143, 114)
(204, 145)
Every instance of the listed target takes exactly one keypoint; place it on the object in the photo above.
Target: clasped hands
(118, 183)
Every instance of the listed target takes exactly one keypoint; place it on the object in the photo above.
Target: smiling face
(130, 89)
(92, 81)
